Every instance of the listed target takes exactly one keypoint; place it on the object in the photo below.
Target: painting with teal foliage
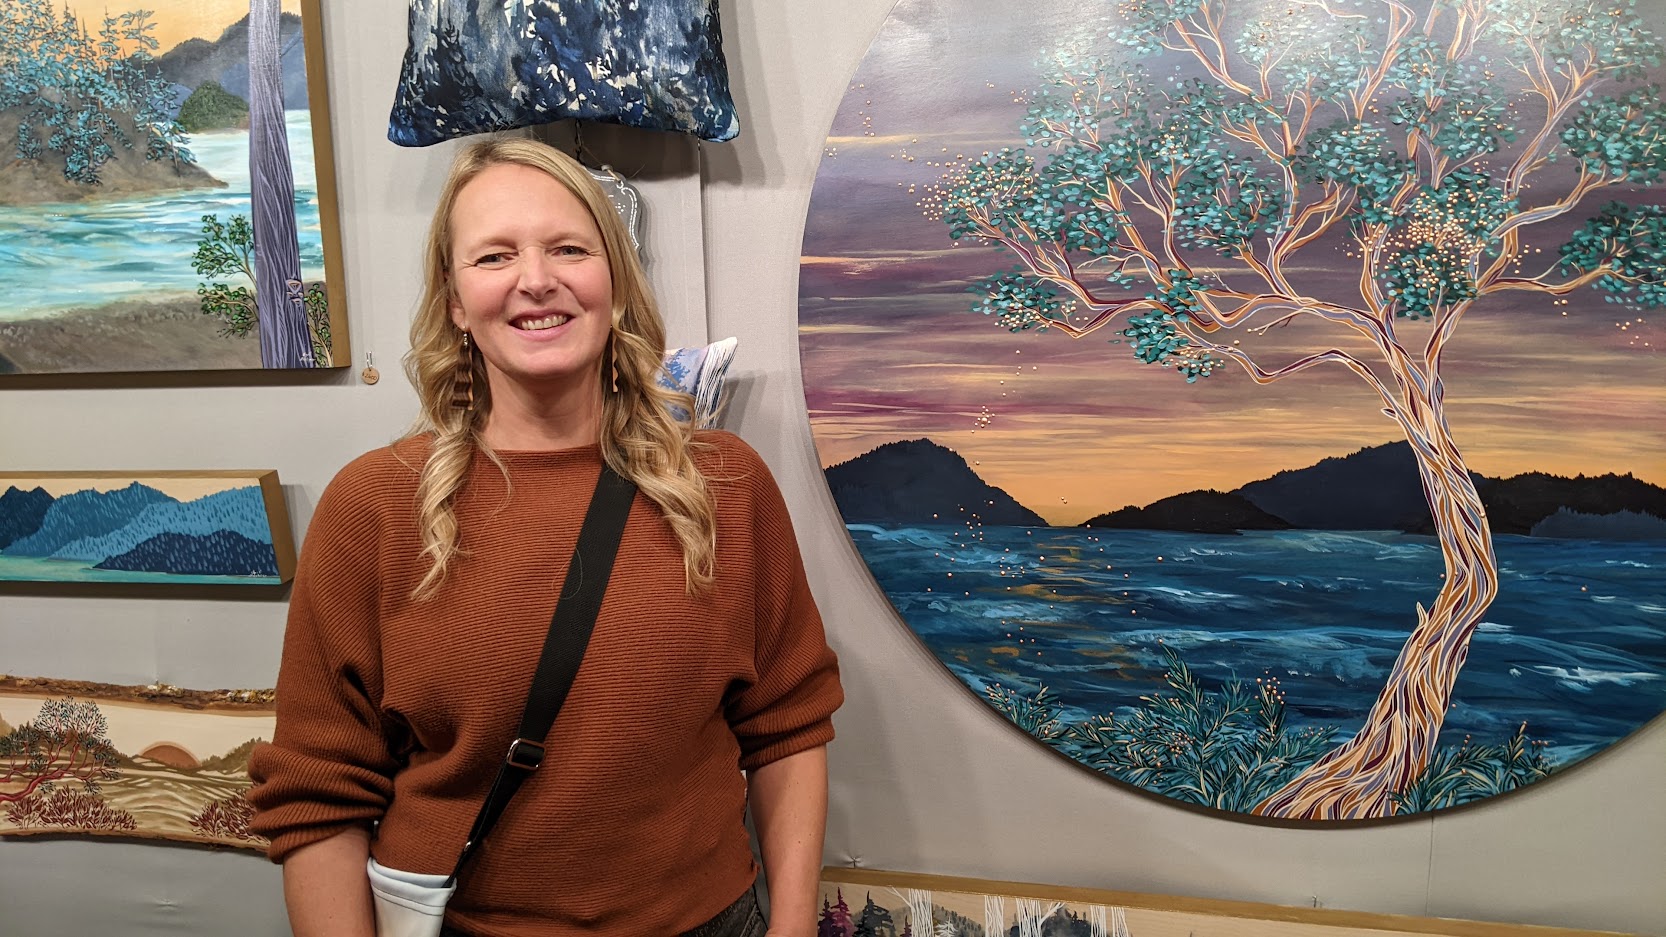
(1260, 403)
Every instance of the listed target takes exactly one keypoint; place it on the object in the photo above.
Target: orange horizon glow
(174, 21)
(1521, 400)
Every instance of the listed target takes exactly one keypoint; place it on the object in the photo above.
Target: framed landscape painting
(210, 527)
(875, 903)
(168, 198)
(152, 762)
(1261, 405)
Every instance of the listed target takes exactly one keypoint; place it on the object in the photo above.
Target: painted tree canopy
(1182, 169)
(84, 95)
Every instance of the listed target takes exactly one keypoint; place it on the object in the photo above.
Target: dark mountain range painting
(1261, 405)
(174, 527)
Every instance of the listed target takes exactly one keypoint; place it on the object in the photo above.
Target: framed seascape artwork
(156, 761)
(874, 903)
(1260, 404)
(209, 527)
(167, 200)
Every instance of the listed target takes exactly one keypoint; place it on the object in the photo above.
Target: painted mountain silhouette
(240, 510)
(1377, 488)
(222, 553)
(1201, 512)
(86, 513)
(225, 61)
(1517, 504)
(21, 513)
(1621, 525)
(916, 481)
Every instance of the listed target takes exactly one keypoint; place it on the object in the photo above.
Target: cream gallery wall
(930, 773)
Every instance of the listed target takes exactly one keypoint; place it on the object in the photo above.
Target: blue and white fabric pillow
(699, 371)
(478, 66)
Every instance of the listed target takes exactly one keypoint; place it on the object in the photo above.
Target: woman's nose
(538, 273)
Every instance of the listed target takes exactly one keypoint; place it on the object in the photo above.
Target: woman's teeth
(537, 325)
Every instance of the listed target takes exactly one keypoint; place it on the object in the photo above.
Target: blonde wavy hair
(640, 437)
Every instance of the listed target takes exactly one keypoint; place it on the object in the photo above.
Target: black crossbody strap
(570, 627)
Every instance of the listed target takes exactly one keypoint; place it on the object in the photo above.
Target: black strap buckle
(525, 754)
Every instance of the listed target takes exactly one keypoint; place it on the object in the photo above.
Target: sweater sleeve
(329, 765)
(790, 707)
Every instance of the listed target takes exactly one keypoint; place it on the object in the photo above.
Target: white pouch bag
(408, 904)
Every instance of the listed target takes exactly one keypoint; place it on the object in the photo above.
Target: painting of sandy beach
(152, 762)
(168, 198)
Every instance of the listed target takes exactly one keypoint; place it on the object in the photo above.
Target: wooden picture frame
(870, 901)
(188, 220)
(181, 527)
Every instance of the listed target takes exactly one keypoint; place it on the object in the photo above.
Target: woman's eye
(571, 250)
(491, 260)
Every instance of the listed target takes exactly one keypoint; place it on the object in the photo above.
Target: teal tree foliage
(1197, 177)
(227, 249)
(1344, 121)
(1227, 749)
(1461, 773)
(1230, 747)
(85, 96)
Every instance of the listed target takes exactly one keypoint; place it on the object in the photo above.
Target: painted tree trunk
(285, 341)
(1359, 778)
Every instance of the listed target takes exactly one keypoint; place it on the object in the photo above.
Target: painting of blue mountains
(179, 527)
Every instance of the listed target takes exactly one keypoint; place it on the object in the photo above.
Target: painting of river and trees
(1260, 403)
(156, 761)
(167, 195)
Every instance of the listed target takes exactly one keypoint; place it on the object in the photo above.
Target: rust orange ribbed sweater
(401, 710)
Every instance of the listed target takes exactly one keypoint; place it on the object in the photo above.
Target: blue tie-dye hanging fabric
(475, 66)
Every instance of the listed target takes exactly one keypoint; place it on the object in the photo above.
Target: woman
(425, 589)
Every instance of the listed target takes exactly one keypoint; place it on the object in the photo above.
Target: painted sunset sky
(175, 20)
(891, 349)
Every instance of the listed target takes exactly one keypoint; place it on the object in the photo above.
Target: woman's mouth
(542, 323)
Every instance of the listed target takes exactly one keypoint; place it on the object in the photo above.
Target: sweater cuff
(814, 735)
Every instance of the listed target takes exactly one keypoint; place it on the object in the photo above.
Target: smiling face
(531, 284)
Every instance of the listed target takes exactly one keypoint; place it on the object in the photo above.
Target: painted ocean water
(84, 254)
(1575, 644)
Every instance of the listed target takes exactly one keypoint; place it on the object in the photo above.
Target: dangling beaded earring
(462, 379)
(613, 357)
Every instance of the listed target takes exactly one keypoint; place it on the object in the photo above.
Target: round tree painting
(1260, 403)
